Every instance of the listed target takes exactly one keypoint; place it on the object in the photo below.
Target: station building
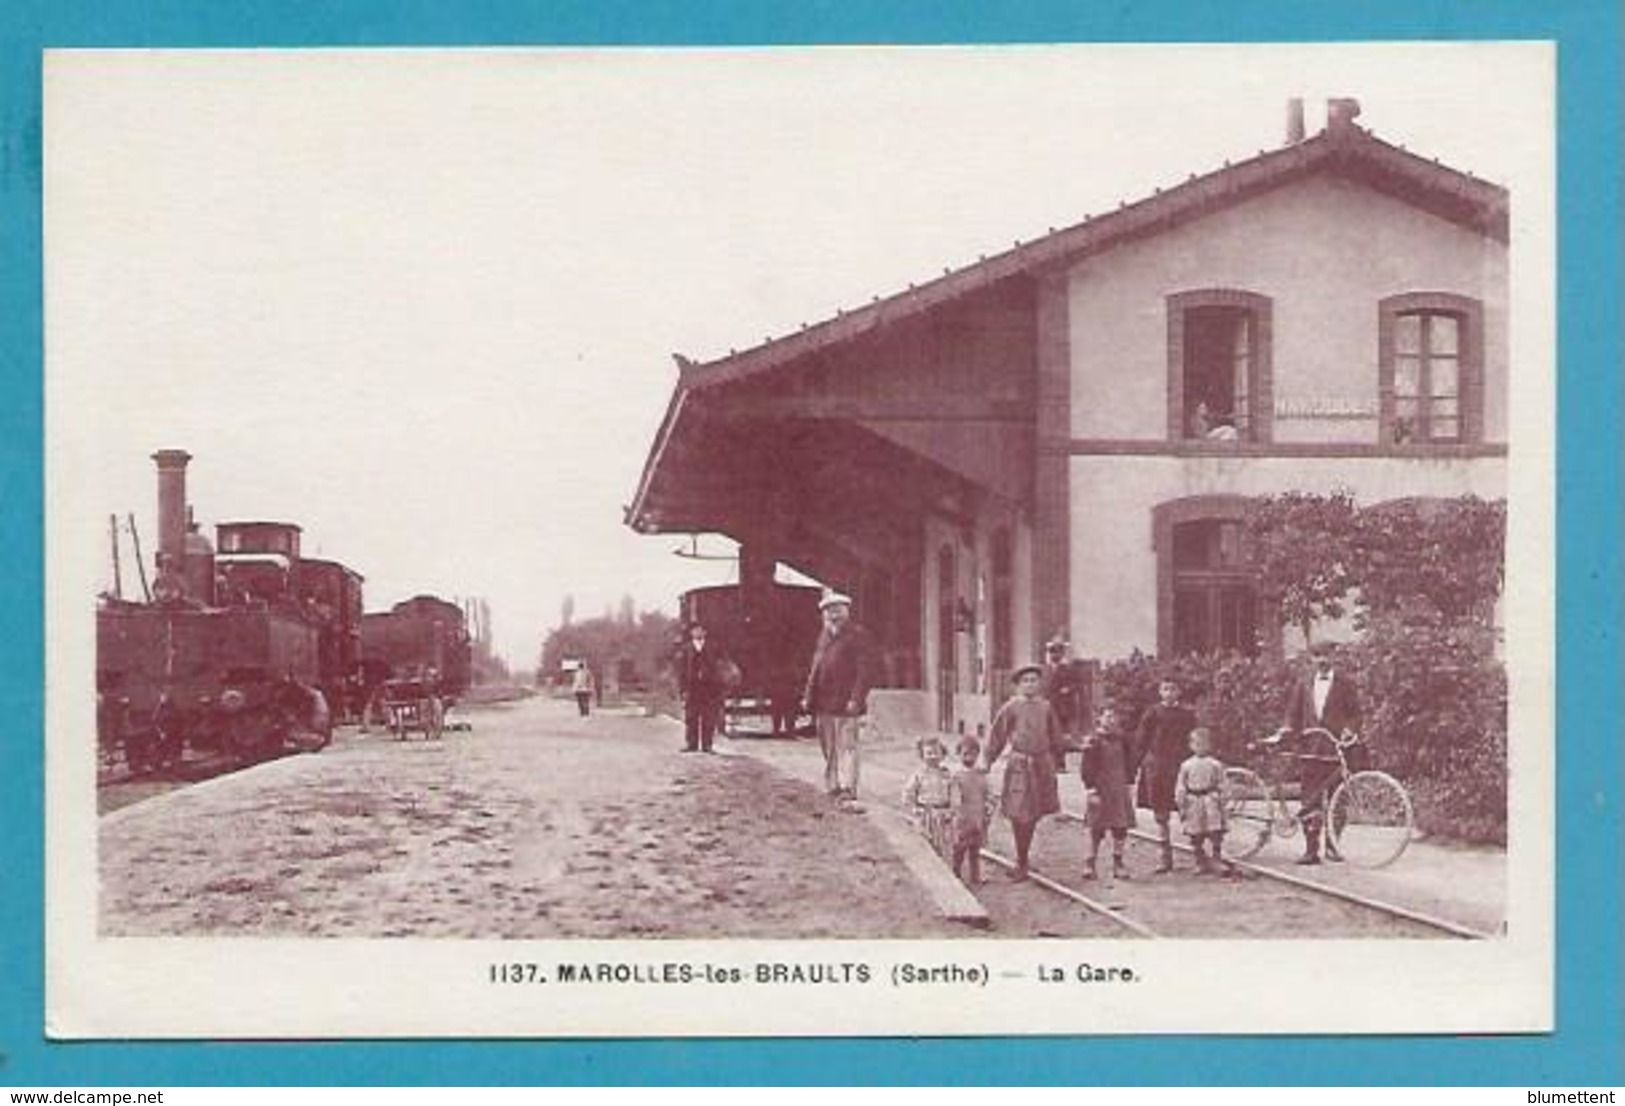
(1064, 438)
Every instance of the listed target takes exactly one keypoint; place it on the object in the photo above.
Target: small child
(925, 795)
(972, 805)
(1107, 791)
(1199, 793)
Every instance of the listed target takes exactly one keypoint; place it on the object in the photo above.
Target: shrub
(1435, 703)
(1239, 698)
(1434, 699)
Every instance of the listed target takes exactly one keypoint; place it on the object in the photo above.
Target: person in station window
(701, 683)
(1160, 745)
(1325, 699)
(837, 695)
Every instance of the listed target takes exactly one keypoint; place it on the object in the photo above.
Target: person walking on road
(1160, 747)
(837, 695)
(1324, 699)
(581, 686)
(700, 680)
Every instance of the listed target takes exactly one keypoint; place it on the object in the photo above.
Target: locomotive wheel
(139, 751)
(244, 739)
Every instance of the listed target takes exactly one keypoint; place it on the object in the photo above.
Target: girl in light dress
(1199, 794)
(926, 795)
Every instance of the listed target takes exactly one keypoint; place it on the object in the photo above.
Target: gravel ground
(536, 824)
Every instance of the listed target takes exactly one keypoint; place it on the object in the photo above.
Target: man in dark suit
(1065, 691)
(837, 695)
(1325, 699)
(700, 678)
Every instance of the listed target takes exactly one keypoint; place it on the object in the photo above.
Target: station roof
(1342, 148)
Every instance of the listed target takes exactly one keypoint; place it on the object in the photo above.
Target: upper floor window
(1430, 380)
(1220, 385)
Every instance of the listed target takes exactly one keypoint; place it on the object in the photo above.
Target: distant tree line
(623, 646)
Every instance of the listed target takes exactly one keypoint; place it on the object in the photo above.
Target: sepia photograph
(800, 541)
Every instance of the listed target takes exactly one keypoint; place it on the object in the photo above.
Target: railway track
(1265, 902)
(1107, 899)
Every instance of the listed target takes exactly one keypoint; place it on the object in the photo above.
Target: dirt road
(535, 824)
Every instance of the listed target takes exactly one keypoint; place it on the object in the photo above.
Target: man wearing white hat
(837, 694)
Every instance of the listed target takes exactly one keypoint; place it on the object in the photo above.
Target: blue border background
(1585, 1049)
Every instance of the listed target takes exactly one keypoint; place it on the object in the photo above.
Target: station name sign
(1325, 407)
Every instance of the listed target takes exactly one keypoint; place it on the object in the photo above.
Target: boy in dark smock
(1108, 800)
(1160, 747)
(1028, 728)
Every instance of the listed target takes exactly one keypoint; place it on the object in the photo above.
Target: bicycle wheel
(1369, 819)
(1247, 812)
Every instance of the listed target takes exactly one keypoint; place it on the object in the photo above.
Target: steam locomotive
(246, 649)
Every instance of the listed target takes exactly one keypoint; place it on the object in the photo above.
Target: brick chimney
(1341, 112)
(1294, 121)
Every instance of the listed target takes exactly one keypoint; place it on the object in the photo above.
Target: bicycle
(1369, 817)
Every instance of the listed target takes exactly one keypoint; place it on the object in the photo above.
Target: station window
(1219, 371)
(1431, 369)
(1215, 589)
(1208, 590)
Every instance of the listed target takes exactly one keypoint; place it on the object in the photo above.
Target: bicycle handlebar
(1340, 741)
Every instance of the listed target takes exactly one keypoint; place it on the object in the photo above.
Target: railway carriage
(421, 643)
(769, 631)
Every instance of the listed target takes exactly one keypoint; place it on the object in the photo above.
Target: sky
(424, 303)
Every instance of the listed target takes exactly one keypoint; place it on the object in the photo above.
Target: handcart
(414, 705)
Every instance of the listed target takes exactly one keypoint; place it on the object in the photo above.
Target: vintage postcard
(864, 541)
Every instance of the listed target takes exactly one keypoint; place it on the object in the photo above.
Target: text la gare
(1087, 973)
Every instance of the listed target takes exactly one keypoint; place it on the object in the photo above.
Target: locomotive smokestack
(172, 507)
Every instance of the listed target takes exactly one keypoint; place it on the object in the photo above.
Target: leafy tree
(1441, 555)
(1320, 556)
(1306, 547)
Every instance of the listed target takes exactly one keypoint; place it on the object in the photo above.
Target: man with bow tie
(1325, 698)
